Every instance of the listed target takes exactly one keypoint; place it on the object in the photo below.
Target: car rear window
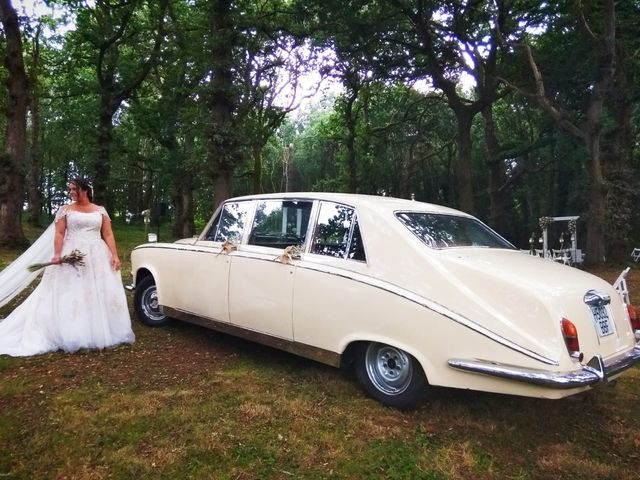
(447, 231)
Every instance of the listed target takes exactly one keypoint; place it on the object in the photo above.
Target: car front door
(204, 288)
(261, 277)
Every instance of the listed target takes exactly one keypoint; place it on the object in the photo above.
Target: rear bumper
(596, 371)
(129, 287)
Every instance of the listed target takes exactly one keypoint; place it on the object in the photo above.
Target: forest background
(511, 110)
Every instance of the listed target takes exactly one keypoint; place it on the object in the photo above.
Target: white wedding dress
(72, 307)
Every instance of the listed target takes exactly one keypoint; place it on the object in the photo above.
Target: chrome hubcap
(150, 304)
(388, 368)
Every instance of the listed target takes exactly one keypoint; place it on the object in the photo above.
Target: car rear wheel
(145, 302)
(390, 375)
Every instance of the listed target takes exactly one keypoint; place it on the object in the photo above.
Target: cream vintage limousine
(412, 295)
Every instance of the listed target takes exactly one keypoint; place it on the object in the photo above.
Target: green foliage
(380, 134)
(394, 154)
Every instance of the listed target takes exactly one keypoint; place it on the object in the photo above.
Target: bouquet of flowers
(74, 259)
(292, 252)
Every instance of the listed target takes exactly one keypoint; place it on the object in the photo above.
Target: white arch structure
(576, 255)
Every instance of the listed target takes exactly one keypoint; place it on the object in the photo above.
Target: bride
(73, 307)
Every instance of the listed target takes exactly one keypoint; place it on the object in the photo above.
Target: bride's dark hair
(83, 184)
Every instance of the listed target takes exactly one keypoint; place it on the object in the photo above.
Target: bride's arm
(58, 238)
(110, 240)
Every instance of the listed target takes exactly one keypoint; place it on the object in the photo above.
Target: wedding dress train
(16, 277)
(72, 307)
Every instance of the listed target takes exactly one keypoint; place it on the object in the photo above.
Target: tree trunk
(623, 192)
(35, 165)
(463, 167)
(148, 189)
(178, 211)
(134, 190)
(183, 206)
(102, 163)
(257, 169)
(288, 168)
(221, 187)
(407, 170)
(13, 158)
(495, 165)
(184, 225)
(188, 226)
(350, 141)
(595, 254)
(113, 93)
(222, 144)
(590, 133)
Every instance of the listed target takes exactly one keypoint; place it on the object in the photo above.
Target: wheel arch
(146, 302)
(142, 273)
(350, 351)
(147, 271)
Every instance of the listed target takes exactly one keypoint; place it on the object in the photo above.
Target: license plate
(601, 319)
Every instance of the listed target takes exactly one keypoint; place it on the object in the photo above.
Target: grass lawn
(185, 402)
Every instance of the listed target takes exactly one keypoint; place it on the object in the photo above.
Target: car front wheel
(145, 302)
(390, 375)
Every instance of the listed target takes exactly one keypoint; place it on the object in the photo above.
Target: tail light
(635, 321)
(570, 334)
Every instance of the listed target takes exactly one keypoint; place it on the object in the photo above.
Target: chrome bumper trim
(594, 372)
(129, 287)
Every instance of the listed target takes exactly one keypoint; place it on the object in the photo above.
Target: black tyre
(145, 302)
(390, 375)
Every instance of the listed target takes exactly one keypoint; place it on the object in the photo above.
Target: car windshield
(447, 231)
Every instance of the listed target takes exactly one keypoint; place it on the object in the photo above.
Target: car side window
(280, 223)
(337, 233)
(356, 247)
(229, 224)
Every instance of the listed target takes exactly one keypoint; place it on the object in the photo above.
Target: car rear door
(262, 276)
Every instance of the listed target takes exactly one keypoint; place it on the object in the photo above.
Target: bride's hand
(115, 263)
(55, 259)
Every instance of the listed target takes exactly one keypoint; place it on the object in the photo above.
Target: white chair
(562, 256)
(635, 254)
(577, 256)
(621, 285)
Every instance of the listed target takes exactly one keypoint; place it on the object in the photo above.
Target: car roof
(373, 202)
